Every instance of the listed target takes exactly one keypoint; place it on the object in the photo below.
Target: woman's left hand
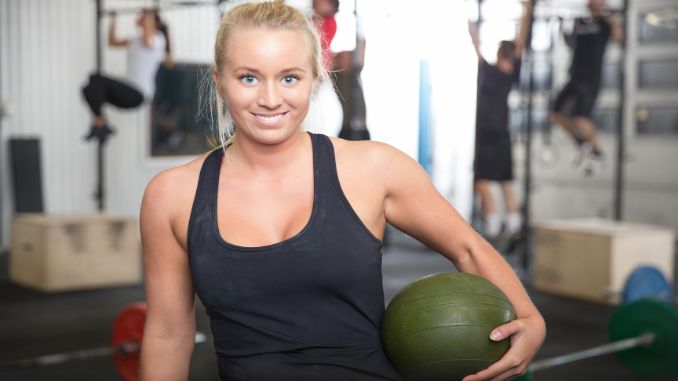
(526, 335)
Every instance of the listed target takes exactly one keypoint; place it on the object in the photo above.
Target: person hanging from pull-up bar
(493, 161)
(145, 53)
(574, 105)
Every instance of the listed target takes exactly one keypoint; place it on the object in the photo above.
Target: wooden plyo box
(591, 259)
(68, 252)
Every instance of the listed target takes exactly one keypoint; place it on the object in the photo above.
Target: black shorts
(493, 159)
(577, 98)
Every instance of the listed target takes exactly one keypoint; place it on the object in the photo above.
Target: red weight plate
(128, 329)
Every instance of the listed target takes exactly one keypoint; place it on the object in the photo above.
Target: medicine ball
(438, 327)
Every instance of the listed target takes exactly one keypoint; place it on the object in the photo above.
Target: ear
(217, 83)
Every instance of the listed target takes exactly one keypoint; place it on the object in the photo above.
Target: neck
(505, 67)
(266, 157)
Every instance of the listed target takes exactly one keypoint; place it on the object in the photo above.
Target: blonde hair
(270, 14)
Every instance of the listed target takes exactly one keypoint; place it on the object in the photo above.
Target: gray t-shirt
(143, 62)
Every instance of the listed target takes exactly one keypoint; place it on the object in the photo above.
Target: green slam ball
(438, 327)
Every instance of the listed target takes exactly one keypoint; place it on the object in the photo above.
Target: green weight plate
(529, 376)
(636, 318)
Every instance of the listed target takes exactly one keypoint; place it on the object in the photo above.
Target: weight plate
(643, 316)
(128, 328)
(646, 282)
(528, 376)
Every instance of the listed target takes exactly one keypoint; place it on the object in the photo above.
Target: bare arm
(413, 205)
(148, 31)
(524, 29)
(566, 36)
(616, 28)
(473, 31)
(113, 39)
(169, 333)
(359, 61)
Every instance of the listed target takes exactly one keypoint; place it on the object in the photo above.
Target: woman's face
(267, 81)
(596, 6)
(323, 8)
(146, 20)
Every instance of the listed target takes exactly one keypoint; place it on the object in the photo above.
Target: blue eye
(248, 79)
(290, 79)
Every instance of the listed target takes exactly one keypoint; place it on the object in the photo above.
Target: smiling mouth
(269, 118)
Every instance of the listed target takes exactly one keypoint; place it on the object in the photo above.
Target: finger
(494, 370)
(505, 330)
(510, 374)
(511, 360)
(497, 372)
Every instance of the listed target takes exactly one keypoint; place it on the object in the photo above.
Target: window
(542, 74)
(658, 74)
(606, 119)
(657, 120)
(610, 76)
(654, 27)
(518, 118)
(179, 122)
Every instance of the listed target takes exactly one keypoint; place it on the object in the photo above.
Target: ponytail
(162, 27)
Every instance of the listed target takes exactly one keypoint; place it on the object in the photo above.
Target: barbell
(128, 330)
(643, 334)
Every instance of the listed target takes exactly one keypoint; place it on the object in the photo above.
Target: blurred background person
(324, 116)
(145, 53)
(348, 65)
(574, 105)
(493, 161)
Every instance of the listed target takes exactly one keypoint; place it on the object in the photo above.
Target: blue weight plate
(646, 282)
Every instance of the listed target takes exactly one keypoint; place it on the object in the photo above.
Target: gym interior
(591, 240)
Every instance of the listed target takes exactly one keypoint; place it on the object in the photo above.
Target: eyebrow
(255, 71)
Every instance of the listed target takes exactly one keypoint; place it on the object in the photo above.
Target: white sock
(514, 223)
(492, 224)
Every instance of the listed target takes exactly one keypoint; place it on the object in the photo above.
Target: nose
(269, 95)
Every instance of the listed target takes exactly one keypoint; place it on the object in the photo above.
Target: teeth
(269, 118)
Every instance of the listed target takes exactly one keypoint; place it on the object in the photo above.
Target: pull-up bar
(162, 6)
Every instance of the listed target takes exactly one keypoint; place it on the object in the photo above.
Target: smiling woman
(278, 231)
(300, 34)
(268, 101)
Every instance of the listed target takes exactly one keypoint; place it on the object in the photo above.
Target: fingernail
(495, 335)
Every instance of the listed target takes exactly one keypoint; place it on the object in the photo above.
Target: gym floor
(33, 324)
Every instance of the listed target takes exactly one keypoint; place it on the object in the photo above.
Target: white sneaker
(583, 153)
(514, 222)
(492, 225)
(593, 165)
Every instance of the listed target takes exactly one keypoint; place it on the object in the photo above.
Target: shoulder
(483, 68)
(363, 149)
(376, 159)
(171, 191)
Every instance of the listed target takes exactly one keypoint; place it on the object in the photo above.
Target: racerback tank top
(307, 308)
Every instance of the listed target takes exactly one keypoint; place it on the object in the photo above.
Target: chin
(272, 136)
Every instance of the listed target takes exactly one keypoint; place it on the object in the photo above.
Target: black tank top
(307, 308)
